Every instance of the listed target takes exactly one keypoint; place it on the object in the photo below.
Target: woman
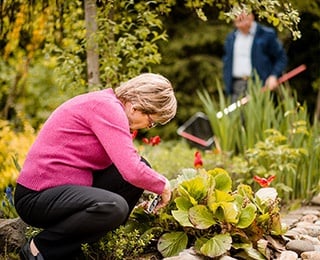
(83, 176)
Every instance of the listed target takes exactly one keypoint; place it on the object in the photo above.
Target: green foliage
(296, 167)
(129, 34)
(274, 138)
(118, 244)
(14, 146)
(34, 54)
(280, 14)
(128, 38)
(161, 156)
(7, 209)
(248, 120)
(206, 213)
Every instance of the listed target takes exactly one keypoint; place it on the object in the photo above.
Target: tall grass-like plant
(220, 126)
(258, 114)
(239, 129)
(273, 133)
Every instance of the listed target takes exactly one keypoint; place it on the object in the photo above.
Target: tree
(92, 45)
(60, 34)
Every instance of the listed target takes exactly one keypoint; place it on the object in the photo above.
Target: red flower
(145, 140)
(152, 140)
(197, 160)
(134, 134)
(155, 140)
(263, 181)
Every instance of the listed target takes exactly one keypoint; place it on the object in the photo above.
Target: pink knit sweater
(86, 133)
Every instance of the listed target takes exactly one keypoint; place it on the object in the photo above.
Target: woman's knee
(114, 212)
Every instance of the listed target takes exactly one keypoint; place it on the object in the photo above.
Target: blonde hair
(151, 94)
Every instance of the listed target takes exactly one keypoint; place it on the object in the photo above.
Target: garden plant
(206, 214)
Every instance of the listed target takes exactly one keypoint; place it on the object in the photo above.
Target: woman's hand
(165, 196)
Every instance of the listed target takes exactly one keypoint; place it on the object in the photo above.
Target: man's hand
(272, 82)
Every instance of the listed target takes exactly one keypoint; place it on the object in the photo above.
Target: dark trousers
(239, 89)
(71, 215)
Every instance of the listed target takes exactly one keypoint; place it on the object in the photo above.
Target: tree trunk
(317, 112)
(92, 45)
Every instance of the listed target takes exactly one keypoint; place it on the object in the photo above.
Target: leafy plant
(118, 244)
(205, 213)
(276, 155)
(7, 209)
(273, 137)
(13, 149)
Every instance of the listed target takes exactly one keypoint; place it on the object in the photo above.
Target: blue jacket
(268, 56)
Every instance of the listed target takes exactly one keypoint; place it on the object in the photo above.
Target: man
(251, 48)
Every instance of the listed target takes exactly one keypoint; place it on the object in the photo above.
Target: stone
(12, 234)
(316, 200)
(289, 221)
(226, 257)
(295, 233)
(314, 240)
(187, 254)
(312, 229)
(299, 246)
(314, 255)
(310, 218)
(288, 255)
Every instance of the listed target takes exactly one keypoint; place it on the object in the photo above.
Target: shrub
(205, 213)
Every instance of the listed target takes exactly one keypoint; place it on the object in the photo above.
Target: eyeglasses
(152, 124)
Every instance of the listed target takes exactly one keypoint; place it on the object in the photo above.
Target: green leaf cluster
(118, 244)
(207, 214)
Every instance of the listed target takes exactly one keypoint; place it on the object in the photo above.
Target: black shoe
(25, 253)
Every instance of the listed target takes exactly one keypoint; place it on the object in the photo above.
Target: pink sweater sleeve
(112, 130)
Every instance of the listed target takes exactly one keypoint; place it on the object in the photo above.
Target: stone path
(303, 235)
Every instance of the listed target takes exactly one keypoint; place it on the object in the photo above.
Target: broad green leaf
(216, 171)
(213, 206)
(211, 198)
(245, 191)
(223, 181)
(185, 194)
(247, 216)
(254, 254)
(263, 218)
(200, 241)
(239, 200)
(241, 245)
(195, 187)
(182, 216)
(222, 196)
(201, 217)
(186, 174)
(216, 246)
(183, 203)
(171, 244)
(230, 212)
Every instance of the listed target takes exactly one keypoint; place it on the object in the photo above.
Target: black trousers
(71, 215)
